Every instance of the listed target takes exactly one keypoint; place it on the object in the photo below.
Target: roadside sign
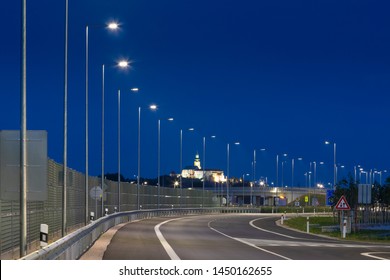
(364, 194)
(96, 193)
(342, 204)
(329, 197)
(306, 198)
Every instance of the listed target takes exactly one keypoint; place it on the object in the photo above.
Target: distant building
(196, 172)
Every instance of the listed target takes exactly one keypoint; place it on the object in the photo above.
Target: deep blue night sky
(282, 75)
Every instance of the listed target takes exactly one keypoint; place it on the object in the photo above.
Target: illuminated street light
(334, 163)
(243, 186)
(112, 26)
(23, 135)
(65, 153)
(159, 160)
(152, 107)
(119, 145)
(254, 163)
(228, 170)
(204, 167)
(277, 169)
(123, 64)
(292, 169)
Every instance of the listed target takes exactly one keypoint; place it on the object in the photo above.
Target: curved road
(230, 237)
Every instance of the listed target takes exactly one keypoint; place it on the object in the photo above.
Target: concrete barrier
(72, 246)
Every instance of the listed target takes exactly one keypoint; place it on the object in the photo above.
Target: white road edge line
(171, 253)
(368, 254)
(247, 243)
(262, 229)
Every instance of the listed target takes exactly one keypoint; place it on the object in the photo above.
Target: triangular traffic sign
(342, 204)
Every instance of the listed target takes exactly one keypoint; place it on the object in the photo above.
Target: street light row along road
(229, 237)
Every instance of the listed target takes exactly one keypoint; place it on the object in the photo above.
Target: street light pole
(181, 166)
(139, 156)
(158, 163)
(334, 163)
(111, 26)
(228, 172)
(65, 171)
(243, 180)
(102, 179)
(204, 166)
(86, 124)
(292, 172)
(181, 163)
(159, 160)
(119, 140)
(227, 176)
(277, 170)
(315, 174)
(152, 107)
(254, 166)
(335, 167)
(119, 150)
(23, 136)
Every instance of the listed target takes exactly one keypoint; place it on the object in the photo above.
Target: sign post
(342, 205)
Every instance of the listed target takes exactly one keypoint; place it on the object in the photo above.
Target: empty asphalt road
(229, 237)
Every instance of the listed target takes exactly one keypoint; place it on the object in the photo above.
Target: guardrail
(72, 246)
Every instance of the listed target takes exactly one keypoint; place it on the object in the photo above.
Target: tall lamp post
(283, 162)
(277, 169)
(23, 136)
(255, 162)
(380, 175)
(293, 170)
(334, 163)
(65, 171)
(228, 172)
(181, 163)
(204, 167)
(159, 160)
(243, 186)
(110, 26)
(254, 167)
(102, 148)
(122, 65)
(119, 150)
(151, 107)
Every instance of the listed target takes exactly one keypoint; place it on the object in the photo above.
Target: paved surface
(96, 252)
(224, 237)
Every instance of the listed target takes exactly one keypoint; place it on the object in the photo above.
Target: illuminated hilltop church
(196, 172)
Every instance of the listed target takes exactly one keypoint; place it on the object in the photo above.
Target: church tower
(197, 161)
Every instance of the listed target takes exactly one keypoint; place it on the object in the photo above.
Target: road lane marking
(246, 242)
(273, 232)
(283, 243)
(369, 254)
(171, 253)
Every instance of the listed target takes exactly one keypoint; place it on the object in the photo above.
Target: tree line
(380, 194)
